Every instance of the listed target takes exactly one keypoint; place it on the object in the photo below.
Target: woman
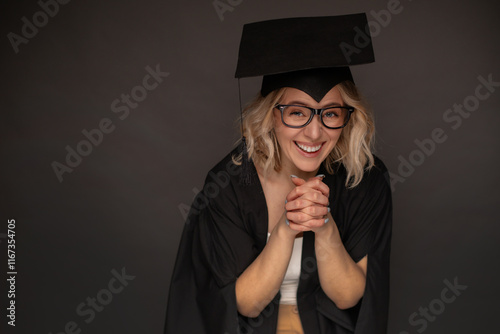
(303, 247)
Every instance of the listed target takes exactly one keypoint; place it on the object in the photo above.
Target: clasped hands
(306, 207)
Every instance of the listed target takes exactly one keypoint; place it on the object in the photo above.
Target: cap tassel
(246, 172)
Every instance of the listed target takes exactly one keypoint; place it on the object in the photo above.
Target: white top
(291, 281)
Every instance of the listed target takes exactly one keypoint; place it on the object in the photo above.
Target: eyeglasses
(296, 116)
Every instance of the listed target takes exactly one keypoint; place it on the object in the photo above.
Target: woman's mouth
(309, 148)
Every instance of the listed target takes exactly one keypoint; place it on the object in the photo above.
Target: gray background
(121, 207)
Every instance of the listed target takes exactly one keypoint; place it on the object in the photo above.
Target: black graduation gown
(226, 230)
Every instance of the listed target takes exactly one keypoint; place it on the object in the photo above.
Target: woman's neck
(288, 170)
(285, 172)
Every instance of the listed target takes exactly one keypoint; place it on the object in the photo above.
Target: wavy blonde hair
(353, 149)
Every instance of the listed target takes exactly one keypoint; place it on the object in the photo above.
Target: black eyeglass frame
(314, 112)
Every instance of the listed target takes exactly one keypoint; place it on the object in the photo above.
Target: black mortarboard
(308, 53)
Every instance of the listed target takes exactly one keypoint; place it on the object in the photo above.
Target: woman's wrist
(329, 231)
(283, 229)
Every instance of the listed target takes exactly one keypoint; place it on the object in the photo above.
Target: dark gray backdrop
(121, 209)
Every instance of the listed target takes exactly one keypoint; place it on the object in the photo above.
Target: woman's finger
(306, 206)
(301, 191)
(307, 199)
(298, 227)
(297, 180)
(301, 217)
(314, 186)
(315, 182)
(318, 184)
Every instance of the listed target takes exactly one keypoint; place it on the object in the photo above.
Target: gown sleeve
(376, 244)
(216, 246)
(364, 218)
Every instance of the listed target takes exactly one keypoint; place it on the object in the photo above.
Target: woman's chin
(308, 167)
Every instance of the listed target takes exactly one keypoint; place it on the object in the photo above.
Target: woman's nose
(313, 129)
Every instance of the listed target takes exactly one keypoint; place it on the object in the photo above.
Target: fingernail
(329, 209)
(320, 175)
(294, 176)
(286, 201)
(327, 220)
(287, 222)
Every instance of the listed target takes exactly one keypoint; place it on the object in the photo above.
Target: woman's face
(306, 148)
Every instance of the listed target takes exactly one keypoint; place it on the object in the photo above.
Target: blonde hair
(353, 149)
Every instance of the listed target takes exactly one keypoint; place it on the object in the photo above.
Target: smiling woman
(299, 239)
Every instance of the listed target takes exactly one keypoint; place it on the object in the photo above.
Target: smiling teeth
(309, 149)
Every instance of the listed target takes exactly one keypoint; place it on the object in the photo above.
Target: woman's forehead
(297, 95)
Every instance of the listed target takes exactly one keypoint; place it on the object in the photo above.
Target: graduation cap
(312, 54)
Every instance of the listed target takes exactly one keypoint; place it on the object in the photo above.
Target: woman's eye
(330, 114)
(296, 112)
